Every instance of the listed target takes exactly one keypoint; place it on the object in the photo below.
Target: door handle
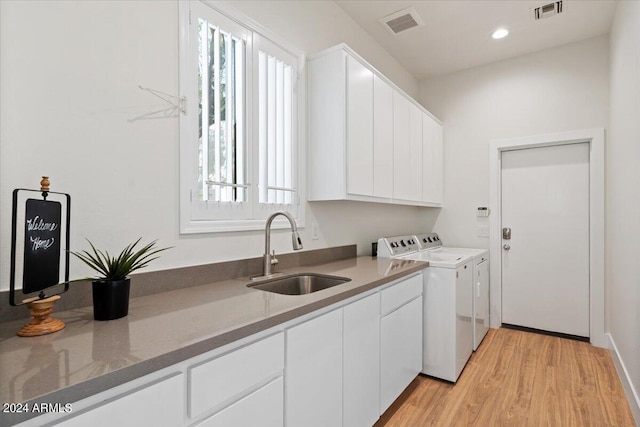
(506, 247)
(506, 233)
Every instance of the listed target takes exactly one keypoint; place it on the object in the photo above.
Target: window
(221, 105)
(240, 139)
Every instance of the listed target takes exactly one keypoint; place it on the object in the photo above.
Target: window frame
(190, 215)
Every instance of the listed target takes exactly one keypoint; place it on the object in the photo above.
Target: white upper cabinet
(382, 138)
(401, 147)
(431, 160)
(326, 99)
(359, 124)
(366, 136)
(416, 167)
(438, 165)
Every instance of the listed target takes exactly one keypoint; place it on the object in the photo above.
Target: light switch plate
(483, 211)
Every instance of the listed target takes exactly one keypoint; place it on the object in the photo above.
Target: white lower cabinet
(263, 407)
(346, 367)
(361, 341)
(400, 339)
(313, 373)
(241, 387)
(159, 404)
(341, 368)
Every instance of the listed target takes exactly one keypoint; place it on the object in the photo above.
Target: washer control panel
(391, 247)
(428, 240)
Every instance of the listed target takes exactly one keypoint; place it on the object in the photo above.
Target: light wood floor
(520, 379)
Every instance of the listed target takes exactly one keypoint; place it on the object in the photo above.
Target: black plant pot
(110, 299)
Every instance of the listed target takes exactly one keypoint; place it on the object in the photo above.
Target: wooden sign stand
(41, 324)
(41, 306)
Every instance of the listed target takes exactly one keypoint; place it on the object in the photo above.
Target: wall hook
(177, 105)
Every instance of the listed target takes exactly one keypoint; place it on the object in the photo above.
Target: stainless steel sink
(299, 284)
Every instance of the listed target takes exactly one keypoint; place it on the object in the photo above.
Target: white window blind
(240, 141)
(275, 130)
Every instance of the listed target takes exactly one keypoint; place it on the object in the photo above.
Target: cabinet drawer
(154, 405)
(401, 293)
(264, 407)
(216, 381)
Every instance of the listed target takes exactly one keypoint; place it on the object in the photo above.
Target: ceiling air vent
(548, 10)
(402, 20)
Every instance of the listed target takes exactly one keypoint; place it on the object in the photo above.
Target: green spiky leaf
(118, 267)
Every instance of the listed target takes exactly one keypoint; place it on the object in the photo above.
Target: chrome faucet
(268, 259)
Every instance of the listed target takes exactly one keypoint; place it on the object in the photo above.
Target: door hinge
(456, 274)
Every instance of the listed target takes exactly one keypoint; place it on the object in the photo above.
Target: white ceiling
(457, 33)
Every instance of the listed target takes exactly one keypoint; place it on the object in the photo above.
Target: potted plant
(111, 286)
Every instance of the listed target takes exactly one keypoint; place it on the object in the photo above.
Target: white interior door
(545, 263)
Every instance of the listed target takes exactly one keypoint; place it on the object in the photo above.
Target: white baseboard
(627, 384)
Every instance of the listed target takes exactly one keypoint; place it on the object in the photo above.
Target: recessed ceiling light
(500, 33)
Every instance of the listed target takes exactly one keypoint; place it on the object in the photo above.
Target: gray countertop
(88, 357)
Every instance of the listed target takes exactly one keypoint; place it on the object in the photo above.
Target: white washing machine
(448, 330)
(480, 281)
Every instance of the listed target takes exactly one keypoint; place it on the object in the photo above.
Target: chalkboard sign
(39, 243)
(42, 245)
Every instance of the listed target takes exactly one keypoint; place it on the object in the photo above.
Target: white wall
(623, 194)
(69, 73)
(554, 90)
(594, 83)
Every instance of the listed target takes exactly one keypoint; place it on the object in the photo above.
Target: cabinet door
(428, 159)
(362, 362)
(407, 149)
(415, 163)
(263, 407)
(313, 372)
(160, 404)
(326, 108)
(438, 164)
(401, 147)
(382, 138)
(359, 128)
(401, 350)
(431, 160)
